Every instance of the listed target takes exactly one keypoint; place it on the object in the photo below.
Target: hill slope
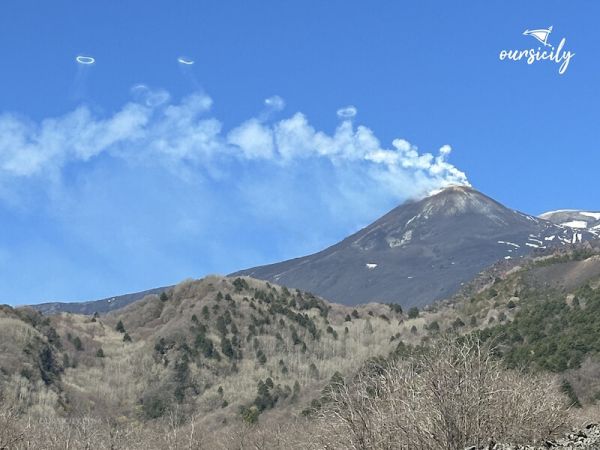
(205, 347)
(221, 352)
(419, 252)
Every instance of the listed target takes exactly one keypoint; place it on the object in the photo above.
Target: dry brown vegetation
(132, 374)
(273, 353)
(293, 339)
(451, 396)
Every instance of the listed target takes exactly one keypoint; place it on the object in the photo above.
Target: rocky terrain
(587, 438)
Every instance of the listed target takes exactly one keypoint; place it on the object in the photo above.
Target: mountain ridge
(101, 306)
(420, 251)
(450, 259)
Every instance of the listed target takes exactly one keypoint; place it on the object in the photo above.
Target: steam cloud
(184, 136)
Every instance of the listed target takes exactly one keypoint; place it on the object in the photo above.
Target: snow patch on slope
(509, 243)
(575, 224)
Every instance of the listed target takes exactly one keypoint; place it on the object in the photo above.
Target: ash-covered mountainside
(421, 251)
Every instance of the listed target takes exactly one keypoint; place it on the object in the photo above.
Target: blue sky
(139, 171)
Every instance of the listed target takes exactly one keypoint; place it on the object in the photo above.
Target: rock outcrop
(587, 438)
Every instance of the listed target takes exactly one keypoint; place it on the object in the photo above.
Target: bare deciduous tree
(11, 433)
(451, 396)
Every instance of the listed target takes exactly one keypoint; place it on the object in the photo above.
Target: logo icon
(558, 55)
(541, 35)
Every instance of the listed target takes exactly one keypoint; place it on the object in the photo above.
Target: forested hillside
(240, 360)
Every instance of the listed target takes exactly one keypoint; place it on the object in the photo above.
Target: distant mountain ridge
(102, 306)
(574, 218)
(421, 251)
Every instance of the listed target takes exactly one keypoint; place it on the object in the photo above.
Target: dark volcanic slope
(96, 306)
(420, 251)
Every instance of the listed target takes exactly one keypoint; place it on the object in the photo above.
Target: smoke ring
(347, 112)
(85, 59)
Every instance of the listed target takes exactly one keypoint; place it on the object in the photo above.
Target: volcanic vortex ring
(85, 60)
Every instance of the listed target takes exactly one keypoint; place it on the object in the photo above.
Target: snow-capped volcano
(420, 251)
(573, 218)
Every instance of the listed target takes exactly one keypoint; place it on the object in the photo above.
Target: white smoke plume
(160, 191)
(185, 136)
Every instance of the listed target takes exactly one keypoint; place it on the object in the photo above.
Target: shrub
(458, 323)
(313, 371)
(413, 312)
(452, 395)
(100, 353)
(77, 344)
(49, 369)
(221, 325)
(205, 312)
(249, 414)
(227, 348)
(120, 327)
(154, 405)
(395, 307)
(260, 356)
(568, 390)
(433, 327)
(240, 284)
